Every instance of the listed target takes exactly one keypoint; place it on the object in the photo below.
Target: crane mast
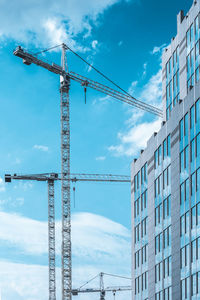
(65, 173)
(51, 240)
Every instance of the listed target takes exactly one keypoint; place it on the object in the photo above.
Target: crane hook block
(85, 90)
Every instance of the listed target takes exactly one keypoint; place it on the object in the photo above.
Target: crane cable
(89, 281)
(111, 81)
(155, 109)
(118, 276)
(48, 49)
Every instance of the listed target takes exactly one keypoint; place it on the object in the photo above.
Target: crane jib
(29, 58)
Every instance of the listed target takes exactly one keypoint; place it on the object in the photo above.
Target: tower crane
(65, 77)
(102, 290)
(50, 178)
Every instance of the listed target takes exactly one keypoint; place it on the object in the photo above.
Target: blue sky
(124, 39)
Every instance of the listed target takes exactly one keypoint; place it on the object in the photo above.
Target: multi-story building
(166, 179)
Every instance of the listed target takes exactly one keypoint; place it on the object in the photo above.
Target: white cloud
(101, 158)
(101, 101)
(131, 89)
(138, 130)
(157, 50)
(152, 91)
(41, 147)
(44, 22)
(94, 44)
(97, 237)
(135, 139)
(88, 232)
(144, 69)
(21, 281)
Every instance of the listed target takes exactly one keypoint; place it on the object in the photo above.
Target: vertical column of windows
(172, 82)
(176, 88)
(163, 220)
(193, 53)
(197, 47)
(140, 232)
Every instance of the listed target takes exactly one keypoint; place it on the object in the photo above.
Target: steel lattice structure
(51, 239)
(29, 58)
(65, 174)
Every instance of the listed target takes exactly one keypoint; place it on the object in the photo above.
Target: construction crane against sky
(65, 77)
(50, 178)
(102, 290)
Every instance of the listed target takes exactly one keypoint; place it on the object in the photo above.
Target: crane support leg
(65, 170)
(51, 231)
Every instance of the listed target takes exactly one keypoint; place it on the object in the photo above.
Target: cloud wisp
(41, 147)
(138, 128)
(158, 49)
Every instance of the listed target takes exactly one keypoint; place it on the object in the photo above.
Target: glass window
(192, 33)
(182, 225)
(181, 129)
(192, 151)
(182, 257)
(164, 149)
(156, 159)
(193, 184)
(166, 208)
(198, 145)
(197, 50)
(196, 22)
(158, 246)
(193, 217)
(182, 193)
(193, 284)
(168, 146)
(135, 180)
(143, 201)
(145, 172)
(187, 222)
(198, 214)
(198, 180)
(182, 161)
(166, 234)
(193, 251)
(197, 111)
(186, 160)
(192, 117)
(188, 38)
(142, 175)
(198, 248)
(186, 125)
(159, 155)
(187, 192)
(197, 75)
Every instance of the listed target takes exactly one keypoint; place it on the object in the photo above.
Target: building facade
(165, 185)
